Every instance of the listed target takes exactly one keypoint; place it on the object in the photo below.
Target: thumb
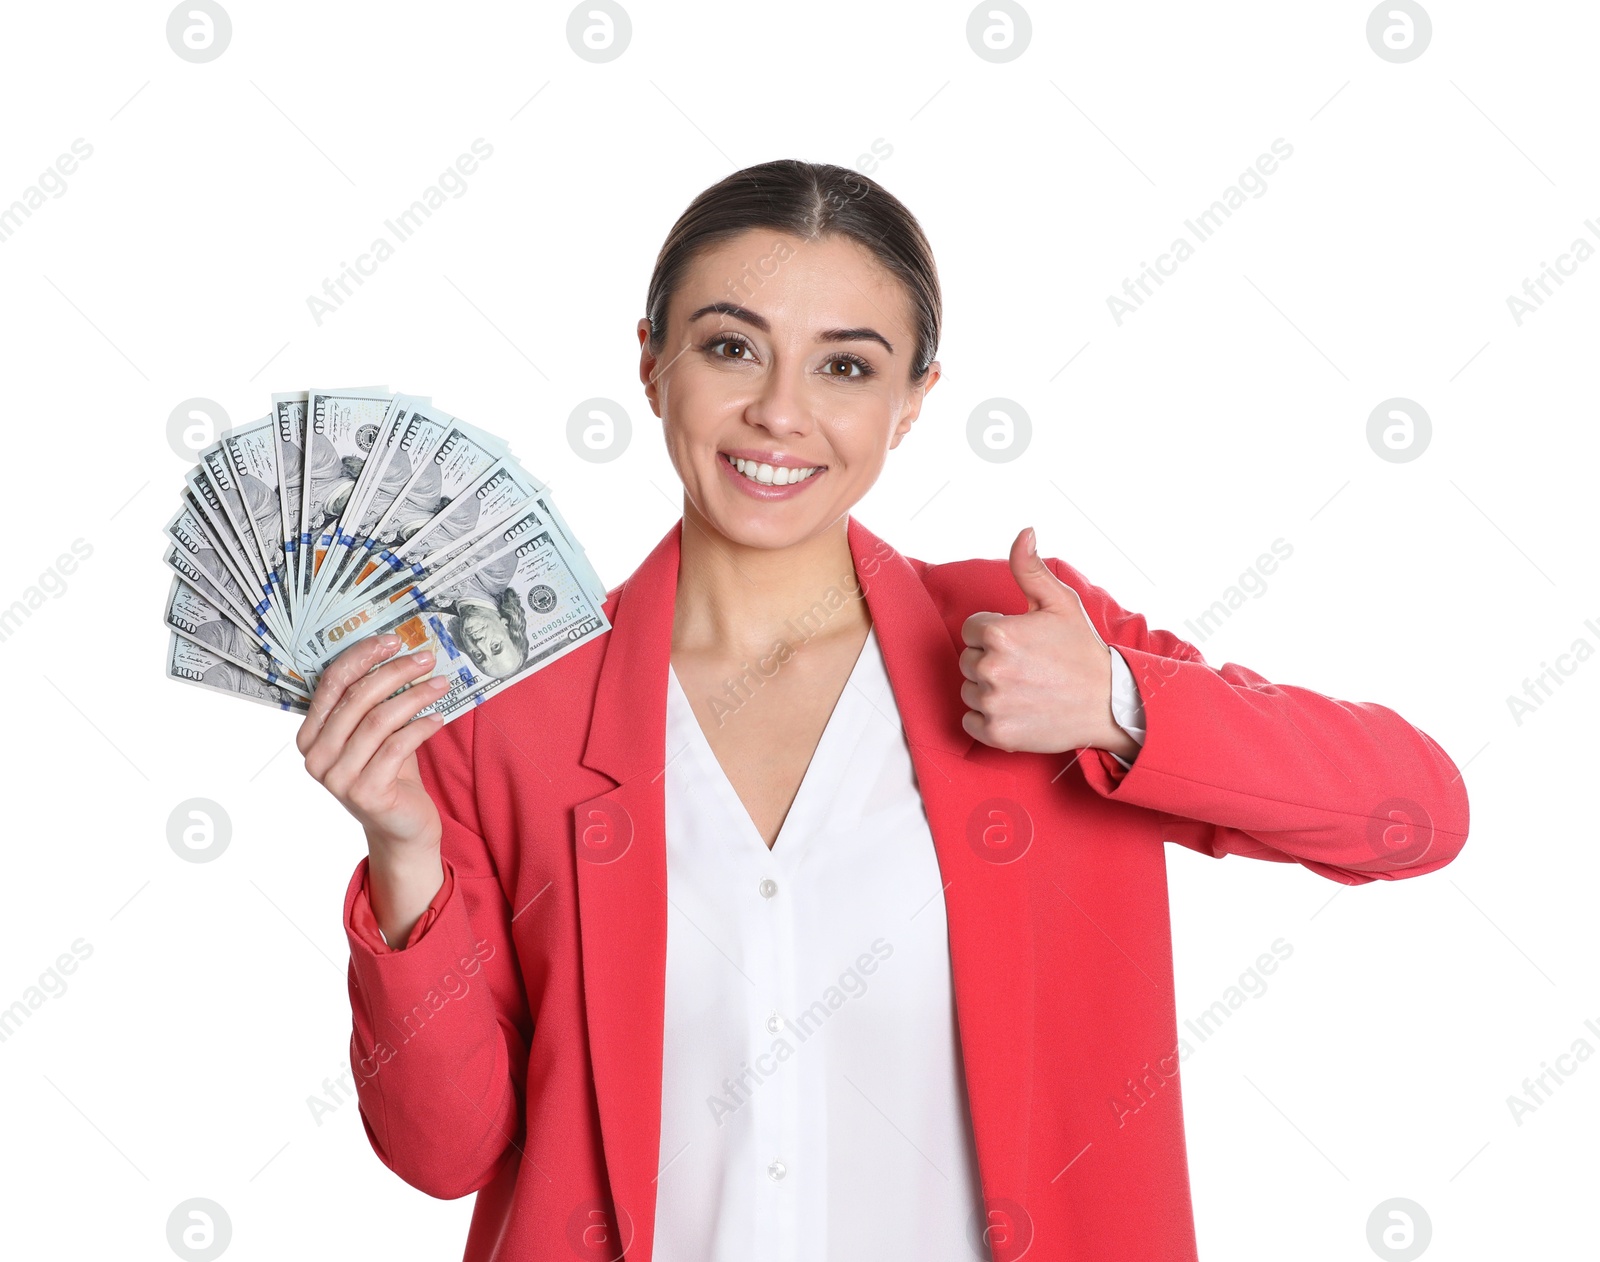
(1038, 583)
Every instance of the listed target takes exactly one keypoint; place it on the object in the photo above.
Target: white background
(1167, 454)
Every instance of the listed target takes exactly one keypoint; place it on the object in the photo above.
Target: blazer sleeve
(1238, 765)
(364, 921)
(441, 1027)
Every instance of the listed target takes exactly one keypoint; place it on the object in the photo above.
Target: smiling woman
(791, 392)
(959, 778)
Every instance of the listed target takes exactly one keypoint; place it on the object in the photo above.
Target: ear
(648, 366)
(903, 426)
(914, 409)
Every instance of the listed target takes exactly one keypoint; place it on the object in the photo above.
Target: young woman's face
(791, 353)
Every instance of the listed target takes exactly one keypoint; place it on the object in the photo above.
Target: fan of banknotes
(349, 513)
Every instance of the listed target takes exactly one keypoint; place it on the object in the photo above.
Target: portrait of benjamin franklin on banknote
(211, 564)
(227, 640)
(233, 678)
(332, 479)
(395, 476)
(419, 503)
(261, 501)
(290, 459)
(483, 614)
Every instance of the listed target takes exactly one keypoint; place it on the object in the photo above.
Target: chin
(760, 527)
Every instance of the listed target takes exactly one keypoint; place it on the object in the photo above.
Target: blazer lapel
(621, 859)
(980, 830)
(981, 833)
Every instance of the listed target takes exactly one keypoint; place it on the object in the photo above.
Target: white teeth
(769, 475)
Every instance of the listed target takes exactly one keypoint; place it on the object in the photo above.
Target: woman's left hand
(1039, 681)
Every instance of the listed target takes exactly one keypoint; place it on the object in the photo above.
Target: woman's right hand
(359, 744)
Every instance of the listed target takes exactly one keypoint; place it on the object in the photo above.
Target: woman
(818, 910)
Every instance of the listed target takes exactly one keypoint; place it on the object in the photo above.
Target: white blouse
(813, 1106)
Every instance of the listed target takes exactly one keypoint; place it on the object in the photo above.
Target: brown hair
(808, 200)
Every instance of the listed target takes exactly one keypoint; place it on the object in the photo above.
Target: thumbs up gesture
(1039, 681)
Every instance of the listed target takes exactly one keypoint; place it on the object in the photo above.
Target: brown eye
(863, 369)
(727, 341)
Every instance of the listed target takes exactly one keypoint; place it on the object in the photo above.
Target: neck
(734, 599)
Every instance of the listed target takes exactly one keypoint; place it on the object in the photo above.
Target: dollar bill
(341, 429)
(197, 617)
(186, 568)
(411, 434)
(351, 512)
(191, 663)
(220, 488)
(434, 481)
(191, 528)
(252, 454)
(289, 437)
(492, 625)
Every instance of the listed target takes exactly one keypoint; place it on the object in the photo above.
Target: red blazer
(513, 1048)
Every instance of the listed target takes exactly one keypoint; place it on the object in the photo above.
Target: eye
(854, 361)
(728, 339)
(862, 368)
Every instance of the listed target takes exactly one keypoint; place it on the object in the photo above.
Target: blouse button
(768, 888)
(775, 1022)
(776, 1171)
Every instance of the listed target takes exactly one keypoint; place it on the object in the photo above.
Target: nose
(781, 405)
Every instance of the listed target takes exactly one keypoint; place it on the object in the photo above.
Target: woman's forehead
(794, 286)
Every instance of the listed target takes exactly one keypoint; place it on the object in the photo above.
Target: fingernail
(423, 659)
(388, 642)
(1033, 545)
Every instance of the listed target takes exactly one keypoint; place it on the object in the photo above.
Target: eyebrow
(737, 312)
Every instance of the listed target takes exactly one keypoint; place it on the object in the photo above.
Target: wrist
(401, 883)
(1114, 738)
(1116, 741)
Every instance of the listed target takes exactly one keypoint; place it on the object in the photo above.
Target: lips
(774, 471)
(764, 484)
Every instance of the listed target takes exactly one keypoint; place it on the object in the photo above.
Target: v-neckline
(805, 809)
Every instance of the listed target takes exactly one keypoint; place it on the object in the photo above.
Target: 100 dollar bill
(489, 626)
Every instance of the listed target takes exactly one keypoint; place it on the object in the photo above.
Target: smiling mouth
(770, 475)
